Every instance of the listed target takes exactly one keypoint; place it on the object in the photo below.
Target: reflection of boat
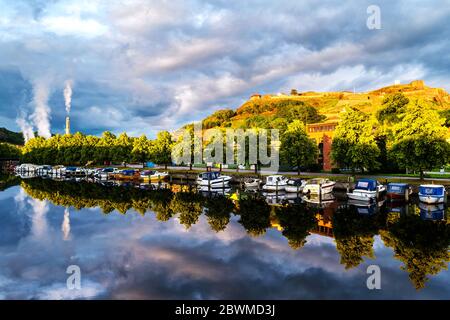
(398, 191)
(214, 191)
(252, 183)
(364, 207)
(324, 199)
(44, 169)
(432, 211)
(314, 186)
(25, 167)
(275, 198)
(153, 176)
(213, 180)
(366, 190)
(107, 173)
(431, 193)
(275, 183)
(295, 185)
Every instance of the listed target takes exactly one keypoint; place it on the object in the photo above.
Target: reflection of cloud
(39, 221)
(130, 256)
(65, 227)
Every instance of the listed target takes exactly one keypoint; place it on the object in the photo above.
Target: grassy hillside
(11, 137)
(259, 109)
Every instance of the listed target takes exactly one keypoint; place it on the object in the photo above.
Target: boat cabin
(366, 185)
(397, 188)
(209, 175)
(274, 179)
(431, 190)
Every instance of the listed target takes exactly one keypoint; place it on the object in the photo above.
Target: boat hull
(368, 196)
(432, 199)
(314, 189)
(273, 188)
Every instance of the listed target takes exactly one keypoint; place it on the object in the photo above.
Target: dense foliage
(79, 149)
(8, 151)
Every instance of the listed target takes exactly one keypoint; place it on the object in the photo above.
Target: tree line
(80, 149)
(403, 134)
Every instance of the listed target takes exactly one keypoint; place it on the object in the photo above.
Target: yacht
(275, 183)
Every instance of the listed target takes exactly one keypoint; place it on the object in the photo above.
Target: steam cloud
(26, 128)
(68, 95)
(41, 115)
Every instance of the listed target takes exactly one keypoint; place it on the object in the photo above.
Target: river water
(134, 243)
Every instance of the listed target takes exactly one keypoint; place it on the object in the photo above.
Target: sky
(144, 66)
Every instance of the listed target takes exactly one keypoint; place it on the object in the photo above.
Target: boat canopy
(128, 172)
(431, 190)
(397, 187)
(209, 175)
(366, 184)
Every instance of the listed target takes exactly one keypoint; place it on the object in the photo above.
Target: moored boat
(432, 193)
(314, 186)
(398, 191)
(213, 179)
(128, 175)
(275, 183)
(295, 185)
(153, 176)
(366, 190)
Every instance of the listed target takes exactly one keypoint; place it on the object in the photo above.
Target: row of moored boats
(108, 173)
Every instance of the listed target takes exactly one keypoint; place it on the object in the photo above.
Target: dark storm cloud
(150, 65)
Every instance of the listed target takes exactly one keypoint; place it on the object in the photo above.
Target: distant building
(323, 133)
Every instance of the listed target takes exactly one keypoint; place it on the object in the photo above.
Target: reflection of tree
(161, 200)
(296, 222)
(354, 235)
(421, 245)
(189, 206)
(254, 215)
(7, 181)
(218, 210)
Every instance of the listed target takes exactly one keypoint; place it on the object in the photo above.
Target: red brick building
(322, 133)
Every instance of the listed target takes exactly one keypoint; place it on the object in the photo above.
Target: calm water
(139, 244)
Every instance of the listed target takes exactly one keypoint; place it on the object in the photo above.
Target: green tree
(141, 149)
(420, 139)
(160, 150)
(297, 149)
(393, 106)
(354, 145)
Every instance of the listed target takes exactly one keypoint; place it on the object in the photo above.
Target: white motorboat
(295, 185)
(275, 183)
(366, 190)
(314, 186)
(213, 179)
(432, 193)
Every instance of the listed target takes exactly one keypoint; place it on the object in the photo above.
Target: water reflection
(416, 235)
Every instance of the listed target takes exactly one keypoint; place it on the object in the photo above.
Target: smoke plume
(25, 127)
(68, 95)
(41, 115)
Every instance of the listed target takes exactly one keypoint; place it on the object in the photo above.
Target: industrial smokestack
(67, 125)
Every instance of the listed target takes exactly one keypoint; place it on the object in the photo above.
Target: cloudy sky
(142, 66)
